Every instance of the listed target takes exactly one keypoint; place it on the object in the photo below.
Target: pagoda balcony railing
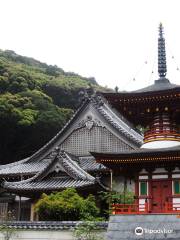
(117, 208)
(160, 132)
(169, 207)
(162, 135)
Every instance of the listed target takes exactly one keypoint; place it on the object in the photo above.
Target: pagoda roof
(70, 175)
(159, 85)
(159, 88)
(140, 105)
(139, 155)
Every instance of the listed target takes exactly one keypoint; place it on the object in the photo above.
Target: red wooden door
(161, 191)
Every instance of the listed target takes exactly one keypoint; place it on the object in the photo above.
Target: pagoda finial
(162, 69)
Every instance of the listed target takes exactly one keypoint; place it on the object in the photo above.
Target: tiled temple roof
(50, 184)
(31, 168)
(72, 171)
(36, 163)
(49, 225)
(89, 164)
(58, 161)
(23, 168)
(110, 115)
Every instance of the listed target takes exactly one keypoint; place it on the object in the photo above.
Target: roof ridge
(76, 171)
(130, 132)
(38, 175)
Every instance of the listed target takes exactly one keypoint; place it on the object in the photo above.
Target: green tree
(29, 120)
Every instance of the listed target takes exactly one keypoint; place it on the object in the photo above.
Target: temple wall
(45, 235)
(46, 230)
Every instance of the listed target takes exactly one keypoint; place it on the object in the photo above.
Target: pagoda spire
(162, 69)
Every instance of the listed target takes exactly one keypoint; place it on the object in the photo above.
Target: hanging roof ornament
(162, 69)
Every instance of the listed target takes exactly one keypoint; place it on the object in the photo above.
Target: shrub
(66, 206)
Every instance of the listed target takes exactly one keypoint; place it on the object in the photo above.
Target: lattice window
(84, 140)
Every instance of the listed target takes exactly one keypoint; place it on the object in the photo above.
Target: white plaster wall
(44, 235)
(159, 176)
(160, 170)
(143, 177)
(176, 203)
(175, 175)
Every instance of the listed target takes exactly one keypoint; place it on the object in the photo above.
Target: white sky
(107, 39)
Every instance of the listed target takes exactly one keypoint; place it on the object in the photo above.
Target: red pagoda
(152, 172)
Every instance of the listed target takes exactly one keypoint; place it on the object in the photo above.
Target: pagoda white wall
(160, 144)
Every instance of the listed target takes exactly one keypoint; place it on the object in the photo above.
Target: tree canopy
(36, 100)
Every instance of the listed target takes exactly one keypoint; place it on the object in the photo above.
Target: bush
(66, 206)
(87, 230)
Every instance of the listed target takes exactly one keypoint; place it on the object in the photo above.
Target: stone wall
(145, 226)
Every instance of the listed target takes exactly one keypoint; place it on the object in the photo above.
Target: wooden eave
(143, 156)
(140, 107)
(139, 97)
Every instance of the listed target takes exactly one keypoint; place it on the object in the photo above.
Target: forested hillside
(36, 100)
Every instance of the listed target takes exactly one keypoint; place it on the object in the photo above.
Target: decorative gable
(91, 134)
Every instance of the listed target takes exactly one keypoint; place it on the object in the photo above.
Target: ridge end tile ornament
(89, 123)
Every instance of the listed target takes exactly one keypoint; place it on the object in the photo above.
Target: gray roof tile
(51, 184)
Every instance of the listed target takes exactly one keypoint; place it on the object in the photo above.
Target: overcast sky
(114, 41)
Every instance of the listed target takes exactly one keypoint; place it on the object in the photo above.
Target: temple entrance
(161, 192)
